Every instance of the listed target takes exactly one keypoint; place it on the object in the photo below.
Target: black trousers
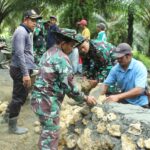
(19, 93)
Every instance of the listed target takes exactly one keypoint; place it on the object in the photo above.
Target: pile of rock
(105, 126)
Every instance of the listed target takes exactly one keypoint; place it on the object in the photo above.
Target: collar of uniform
(27, 29)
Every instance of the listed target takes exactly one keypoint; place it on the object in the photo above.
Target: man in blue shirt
(50, 36)
(131, 77)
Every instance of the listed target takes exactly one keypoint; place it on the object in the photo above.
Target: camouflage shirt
(55, 78)
(39, 41)
(98, 61)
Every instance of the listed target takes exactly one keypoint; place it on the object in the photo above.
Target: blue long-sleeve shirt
(22, 50)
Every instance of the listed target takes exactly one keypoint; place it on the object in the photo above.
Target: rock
(36, 123)
(84, 140)
(114, 130)
(101, 127)
(127, 143)
(3, 106)
(111, 116)
(85, 121)
(135, 128)
(71, 140)
(147, 143)
(98, 111)
(37, 129)
(140, 143)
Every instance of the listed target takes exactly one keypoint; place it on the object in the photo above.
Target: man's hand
(90, 100)
(112, 98)
(27, 81)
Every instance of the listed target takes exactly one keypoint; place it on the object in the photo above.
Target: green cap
(79, 38)
(69, 33)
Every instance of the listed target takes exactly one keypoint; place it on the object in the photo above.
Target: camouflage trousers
(49, 136)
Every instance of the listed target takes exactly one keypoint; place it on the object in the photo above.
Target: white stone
(85, 140)
(135, 128)
(85, 121)
(147, 143)
(71, 140)
(78, 130)
(3, 107)
(140, 143)
(37, 129)
(36, 123)
(101, 99)
(114, 130)
(127, 143)
(111, 116)
(101, 127)
(98, 111)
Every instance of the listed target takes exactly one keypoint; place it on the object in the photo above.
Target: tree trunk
(130, 25)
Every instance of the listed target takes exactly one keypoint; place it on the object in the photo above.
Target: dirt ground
(27, 118)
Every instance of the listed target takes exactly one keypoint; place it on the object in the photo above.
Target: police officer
(54, 80)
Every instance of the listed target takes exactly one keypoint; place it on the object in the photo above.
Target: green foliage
(146, 60)
(74, 11)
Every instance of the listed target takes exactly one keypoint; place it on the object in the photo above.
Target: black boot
(13, 128)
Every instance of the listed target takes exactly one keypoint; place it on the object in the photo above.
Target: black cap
(32, 14)
(122, 49)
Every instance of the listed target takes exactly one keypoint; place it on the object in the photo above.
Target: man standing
(21, 67)
(101, 32)
(130, 75)
(85, 31)
(53, 27)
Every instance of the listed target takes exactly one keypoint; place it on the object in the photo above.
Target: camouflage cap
(68, 33)
(79, 38)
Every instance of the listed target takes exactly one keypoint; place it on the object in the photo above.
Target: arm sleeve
(141, 77)
(66, 79)
(19, 46)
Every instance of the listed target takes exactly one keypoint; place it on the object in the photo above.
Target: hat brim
(35, 17)
(118, 55)
(58, 33)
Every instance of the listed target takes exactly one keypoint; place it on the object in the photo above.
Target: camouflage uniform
(39, 41)
(54, 80)
(98, 62)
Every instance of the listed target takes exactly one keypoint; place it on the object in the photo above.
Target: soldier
(97, 59)
(54, 80)
(39, 40)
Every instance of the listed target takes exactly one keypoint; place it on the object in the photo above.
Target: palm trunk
(130, 25)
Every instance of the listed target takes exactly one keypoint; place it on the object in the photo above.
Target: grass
(146, 60)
